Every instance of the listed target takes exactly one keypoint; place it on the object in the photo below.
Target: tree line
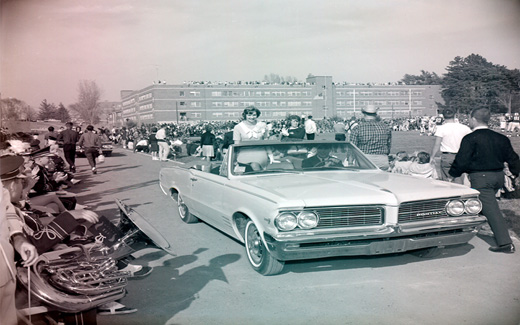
(474, 82)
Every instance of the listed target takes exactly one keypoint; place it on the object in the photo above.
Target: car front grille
(352, 216)
(422, 210)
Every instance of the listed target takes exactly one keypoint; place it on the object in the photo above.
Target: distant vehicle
(106, 148)
(316, 199)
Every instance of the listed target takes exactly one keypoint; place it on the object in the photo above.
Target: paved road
(209, 281)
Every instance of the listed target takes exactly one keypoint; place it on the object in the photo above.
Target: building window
(195, 93)
(181, 93)
(217, 114)
(216, 93)
(196, 104)
(196, 115)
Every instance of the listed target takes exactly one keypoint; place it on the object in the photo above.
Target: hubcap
(182, 207)
(254, 244)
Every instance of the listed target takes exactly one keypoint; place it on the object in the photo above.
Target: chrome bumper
(395, 240)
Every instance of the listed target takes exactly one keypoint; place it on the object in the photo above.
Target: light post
(177, 111)
(410, 102)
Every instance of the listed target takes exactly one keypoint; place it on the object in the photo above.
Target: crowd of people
(38, 215)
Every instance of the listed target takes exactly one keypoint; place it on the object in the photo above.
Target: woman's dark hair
(294, 117)
(423, 157)
(90, 128)
(250, 109)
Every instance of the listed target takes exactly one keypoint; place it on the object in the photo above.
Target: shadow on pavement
(377, 261)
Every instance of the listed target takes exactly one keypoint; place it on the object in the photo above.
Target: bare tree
(15, 109)
(88, 106)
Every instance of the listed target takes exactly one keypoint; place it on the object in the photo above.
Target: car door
(207, 191)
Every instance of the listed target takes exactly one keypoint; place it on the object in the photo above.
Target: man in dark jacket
(69, 138)
(482, 155)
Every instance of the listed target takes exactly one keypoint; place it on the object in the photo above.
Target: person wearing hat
(44, 237)
(373, 137)
(448, 138)
(11, 236)
(69, 138)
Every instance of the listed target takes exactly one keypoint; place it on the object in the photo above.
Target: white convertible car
(313, 199)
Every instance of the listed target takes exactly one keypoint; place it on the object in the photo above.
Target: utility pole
(410, 102)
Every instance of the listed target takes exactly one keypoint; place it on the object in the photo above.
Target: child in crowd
(422, 167)
(401, 163)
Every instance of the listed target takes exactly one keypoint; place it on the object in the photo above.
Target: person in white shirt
(449, 136)
(164, 146)
(310, 128)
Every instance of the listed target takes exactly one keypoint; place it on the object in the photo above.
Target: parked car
(314, 199)
(106, 148)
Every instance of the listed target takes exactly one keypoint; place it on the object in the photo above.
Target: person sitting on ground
(43, 237)
(401, 163)
(422, 167)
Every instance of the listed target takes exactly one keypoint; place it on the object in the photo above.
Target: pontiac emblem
(431, 213)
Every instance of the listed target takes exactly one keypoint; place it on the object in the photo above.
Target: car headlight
(307, 220)
(455, 208)
(286, 221)
(473, 206)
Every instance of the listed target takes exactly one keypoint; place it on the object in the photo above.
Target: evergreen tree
(425, 78)
(62, 114)
(47, 111)
(473, 82)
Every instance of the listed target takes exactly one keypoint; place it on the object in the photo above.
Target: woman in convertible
(250, 129)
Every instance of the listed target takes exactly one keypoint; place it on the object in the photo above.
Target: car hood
(352, 187)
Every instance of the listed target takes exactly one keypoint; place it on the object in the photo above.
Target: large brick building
(318, 96)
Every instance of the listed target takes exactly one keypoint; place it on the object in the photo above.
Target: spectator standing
(227, 139)
(310, 128)
(50, 137)
(373, 137)
(448, 138)
(207, 141)
(339, 130)
(154, 147)
(91, 143)
(350, 125)
(482, 155)
(164, 147)
(69, 138)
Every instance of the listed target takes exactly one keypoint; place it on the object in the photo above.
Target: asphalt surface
(209, 281)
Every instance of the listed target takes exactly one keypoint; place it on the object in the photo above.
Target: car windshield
(305, 156)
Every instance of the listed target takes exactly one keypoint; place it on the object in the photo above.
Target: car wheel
(184, 212)
(259, 258)
(429, 252)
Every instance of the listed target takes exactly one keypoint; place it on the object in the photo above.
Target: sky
(47, 47)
